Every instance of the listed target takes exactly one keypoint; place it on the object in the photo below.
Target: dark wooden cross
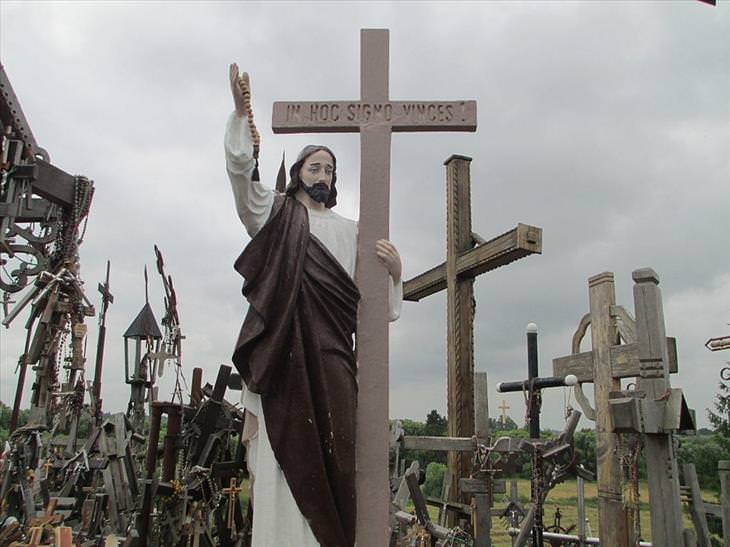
(106, 298)
(467, 256)
(232, 492)
(534, 384)
(375, 117)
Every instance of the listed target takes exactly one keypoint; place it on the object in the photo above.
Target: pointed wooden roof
(144, 325)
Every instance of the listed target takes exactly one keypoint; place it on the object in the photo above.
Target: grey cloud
(605, 124)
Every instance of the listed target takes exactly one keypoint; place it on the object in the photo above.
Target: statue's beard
(319, 191)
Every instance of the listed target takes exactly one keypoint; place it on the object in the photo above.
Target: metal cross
(534, 384)
(375, 117)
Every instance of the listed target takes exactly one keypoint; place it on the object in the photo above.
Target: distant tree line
(703, 449)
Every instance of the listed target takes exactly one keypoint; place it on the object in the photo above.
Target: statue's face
(317, 168)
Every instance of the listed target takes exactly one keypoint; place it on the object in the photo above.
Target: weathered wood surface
(513, 245)
(696, 505)
(614, 521)
(463, 263)
(445, 444)
(600, 366)
(662, 471)
(723, 467)
(481, 406)
(624, 361)
(460, 317)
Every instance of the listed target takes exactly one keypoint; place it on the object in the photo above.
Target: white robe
(277, 520)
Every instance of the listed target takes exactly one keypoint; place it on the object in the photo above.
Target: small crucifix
(504, 407)
(232, 492)
(47, 466)
(375, 117)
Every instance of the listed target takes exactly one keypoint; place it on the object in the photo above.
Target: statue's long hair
(295, 181)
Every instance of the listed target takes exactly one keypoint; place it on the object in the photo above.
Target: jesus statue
(295, 351)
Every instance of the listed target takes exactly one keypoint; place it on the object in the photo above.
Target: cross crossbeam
(517, 243)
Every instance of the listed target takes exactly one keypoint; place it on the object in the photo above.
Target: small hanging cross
(232, 492)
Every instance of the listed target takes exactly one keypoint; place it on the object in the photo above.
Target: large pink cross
(375, 117)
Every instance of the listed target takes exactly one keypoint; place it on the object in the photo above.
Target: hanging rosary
(255, 136)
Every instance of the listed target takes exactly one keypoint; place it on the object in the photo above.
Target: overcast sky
(605, 123)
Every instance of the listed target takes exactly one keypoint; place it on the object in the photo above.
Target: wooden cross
(656, 412)
(504, 408)
(232, 491)
(605, 366)
(47, 466)
(106, 298)
(467, 256)
(375, 117)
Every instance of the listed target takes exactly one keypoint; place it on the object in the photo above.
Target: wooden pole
(581, 511)
(460, 323)
(697, 505)
(613, 518)
(372, 448)
(723, 468)
(482, 502)
(661, 463)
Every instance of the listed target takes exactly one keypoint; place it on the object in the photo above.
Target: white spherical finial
(531, 328)
(571, 380)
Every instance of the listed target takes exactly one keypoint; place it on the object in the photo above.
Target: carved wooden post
(614, 526)
(481, 502)
(460, 325)
(666, 512)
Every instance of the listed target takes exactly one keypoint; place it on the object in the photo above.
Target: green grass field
(565, 497)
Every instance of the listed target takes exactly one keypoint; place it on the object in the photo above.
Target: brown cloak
(296, 349)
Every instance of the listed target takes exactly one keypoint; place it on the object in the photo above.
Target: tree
(436, 425)
(721, 419)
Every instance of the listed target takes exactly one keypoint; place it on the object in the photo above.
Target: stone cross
(467, 256)
(375, 117)
(504, 407)
(605, 365)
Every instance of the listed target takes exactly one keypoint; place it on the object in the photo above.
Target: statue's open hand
(241, 90)
(388, 255)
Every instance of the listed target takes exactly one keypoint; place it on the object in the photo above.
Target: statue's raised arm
(242, 141)
(241, 91)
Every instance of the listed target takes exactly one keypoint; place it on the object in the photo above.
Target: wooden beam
(445, 444)
(624, 362)
(517, 243)
(696, 505)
